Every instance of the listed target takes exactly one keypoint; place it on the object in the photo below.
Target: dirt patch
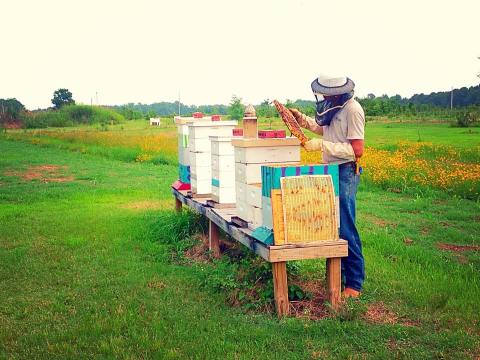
(425, 230)
(199, 252)
(143, 205)
(44, 173)
(60, 179)
(156, 284)
(408, 241)
(378, 313)
(379, 221)
(12, 125)
(313, 308)
(457, 248)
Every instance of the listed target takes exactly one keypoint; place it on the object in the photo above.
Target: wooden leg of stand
(178, 205)
(280, 288)
(334, 281)
(213, 239)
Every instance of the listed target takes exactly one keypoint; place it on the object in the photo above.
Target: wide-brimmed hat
(331, 85)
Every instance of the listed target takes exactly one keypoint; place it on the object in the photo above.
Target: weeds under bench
(278, 255)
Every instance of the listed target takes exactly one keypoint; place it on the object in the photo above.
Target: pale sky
(147, 51)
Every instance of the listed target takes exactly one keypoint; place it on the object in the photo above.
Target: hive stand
(278, 255)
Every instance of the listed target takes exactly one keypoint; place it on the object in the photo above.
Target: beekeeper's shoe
(350, 293)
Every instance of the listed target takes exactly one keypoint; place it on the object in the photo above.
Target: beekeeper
(341, 121)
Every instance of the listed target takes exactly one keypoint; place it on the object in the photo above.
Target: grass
(86, 250)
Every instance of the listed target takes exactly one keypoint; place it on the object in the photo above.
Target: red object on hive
(269, 134)
(178, 185)
(280, 133)
(216, 118)
(237, 132)
(197, 115)
(264, 134)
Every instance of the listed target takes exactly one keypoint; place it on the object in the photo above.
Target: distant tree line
(466, 103)
(137, 111)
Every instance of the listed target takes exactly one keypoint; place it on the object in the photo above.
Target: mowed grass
(86, 270)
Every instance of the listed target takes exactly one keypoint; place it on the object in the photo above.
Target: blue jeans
(353, 266)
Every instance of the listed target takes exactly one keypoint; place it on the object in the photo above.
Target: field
(93, 257)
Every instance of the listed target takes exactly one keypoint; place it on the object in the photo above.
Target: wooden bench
(219, 218)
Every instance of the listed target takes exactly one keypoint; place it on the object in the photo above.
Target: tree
(10, 110)
(62, 97)
(236, 108)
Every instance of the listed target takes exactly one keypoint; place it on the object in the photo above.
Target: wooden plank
(325, 250)
(241, 235)
(334, 278)
(213, 239)
(277, 217)
(239, 222)
(255, 142)
(280, 288)
(198, 196)
(310, 244)
(178, 205)
(217, 205)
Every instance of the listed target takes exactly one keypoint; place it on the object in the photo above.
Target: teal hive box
(184, 173)
(271, 175)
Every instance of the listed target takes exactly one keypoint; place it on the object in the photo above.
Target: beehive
(223, 169)
(250, 155)
(200, 150)
(183, 151)
(273, 201)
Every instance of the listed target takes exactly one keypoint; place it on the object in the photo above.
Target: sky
(150, 51)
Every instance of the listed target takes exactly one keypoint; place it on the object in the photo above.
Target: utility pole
(478, 75)
(451, 99)
(178, 102)
(96, 97)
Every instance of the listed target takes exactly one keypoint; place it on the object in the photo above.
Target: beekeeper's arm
(338, 150)
(348, 151)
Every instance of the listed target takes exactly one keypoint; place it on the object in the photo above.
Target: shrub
(72, 115)
(467, 118)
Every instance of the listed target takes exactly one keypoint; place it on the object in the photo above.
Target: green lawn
(87, 271)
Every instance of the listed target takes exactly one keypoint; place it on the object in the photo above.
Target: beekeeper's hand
(300, 117)
(306, 122)
(313, 145)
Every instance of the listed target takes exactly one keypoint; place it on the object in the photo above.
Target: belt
(353, 164)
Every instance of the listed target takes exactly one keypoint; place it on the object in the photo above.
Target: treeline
(465, 101)
(433, 104)
(137, 111)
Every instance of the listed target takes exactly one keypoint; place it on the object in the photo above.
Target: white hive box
(223, 169)
(200, 147)
(254, 195)
(250, 155)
